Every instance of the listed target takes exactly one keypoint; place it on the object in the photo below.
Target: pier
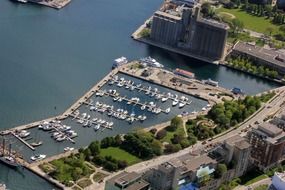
(23, 141)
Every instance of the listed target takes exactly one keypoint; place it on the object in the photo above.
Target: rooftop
(270, 133)
(276, 57)
(124, 178)
(238, 142)
(167, 15)
(195, 163)
(138, 185)
(280, 175)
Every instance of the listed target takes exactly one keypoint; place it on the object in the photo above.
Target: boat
(181, 104)
(151, 62)
(61, 138)
(38, 157)
(143, 107)
(97, 127)
(184, 113)
(116, 98)
(167, 110)
(143, 118)
(184, 73)
(111, 82)
(92, 108)
(86, 123)
(204, 109)
(119, 62)
(8, 159)
(55, 134)
(24, 134)
(35, 144)
(194, 112)
(20, 1)
(164, 99)
(66, 149)
(110, 124)
(211, 82)
(120, 84)
(175, 102)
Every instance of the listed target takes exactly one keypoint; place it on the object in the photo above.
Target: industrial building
(268, 142)
(274, 59)
(179, 24)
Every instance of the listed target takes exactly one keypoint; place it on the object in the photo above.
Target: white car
(38, 157)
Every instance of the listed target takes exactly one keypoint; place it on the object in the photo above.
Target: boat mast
(3, 153)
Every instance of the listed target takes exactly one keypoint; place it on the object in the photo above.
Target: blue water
(50, 58)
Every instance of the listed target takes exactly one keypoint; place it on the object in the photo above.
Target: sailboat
(8, 159)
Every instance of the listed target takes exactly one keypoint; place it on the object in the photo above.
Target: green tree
(220, 170)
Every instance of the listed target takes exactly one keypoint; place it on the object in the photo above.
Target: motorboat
(66, 128)
(167, 110)
(92, 108)
(164, 99)
(151, 62)
(66, 149)
(184, 113)
(83, 115)
(35, 144)
(97, 127)
(119, 62)
(86, 123)
(194, 112)
(55, 134)
(175, 102)
(24, 134)
(110, 124)
(204, 109)
(181, 104)
(143, 107)
(61, 138)
(38, 157)
(143, 118)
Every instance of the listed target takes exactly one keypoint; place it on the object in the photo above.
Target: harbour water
(50, 58)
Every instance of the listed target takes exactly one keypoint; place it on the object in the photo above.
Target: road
(269, 108)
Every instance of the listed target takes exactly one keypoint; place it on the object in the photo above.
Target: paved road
(269, 108)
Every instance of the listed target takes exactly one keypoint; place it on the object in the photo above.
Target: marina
(120, 100)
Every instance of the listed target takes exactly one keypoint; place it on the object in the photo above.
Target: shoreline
(252, 74)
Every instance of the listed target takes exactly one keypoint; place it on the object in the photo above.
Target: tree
(176, 123)
(145, 33)
(110, 166)
(76, 173)
(122, 164)
(161, 134)
(207, 10)
(237, 25)
(94, 148)
(220, 170)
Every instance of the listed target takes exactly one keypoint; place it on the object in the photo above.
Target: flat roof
(193, 164)
(270, 133)
(270, 129)
(268, 55)
(166, 15)
(138, 185)
(238, 142)
(213, 23)
(124, 178)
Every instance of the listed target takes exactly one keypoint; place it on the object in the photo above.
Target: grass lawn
(255, 23)
(119, 154)
(258, 178)
(169, 135)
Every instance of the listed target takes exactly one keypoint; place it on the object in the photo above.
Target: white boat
(110, 124)
(24, 134)
(148, 61)
(119, 62)
(97, 127)
(175, 102)
(92, 108)
(86, 123)
(38, 157)
(66, 149)
(84, 115)
(208, 105)
(111, 82)
(94, 120)
(40, 126)
(164, 99)
(194, 112)
(66, 128)
(167, 110)
(61, 138)
(143, 107)
(211, 82)
(120, 84)
(143, 118)
(181, 104)
(120, 99)
(55, 134)
(157, 110)
(204, 109)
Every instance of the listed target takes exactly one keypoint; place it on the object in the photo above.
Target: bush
(122, 164)
(161, 134)
(176, 122)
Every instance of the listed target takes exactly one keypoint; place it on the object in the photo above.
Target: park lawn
(119, 154)
(251, 22)
(169, 135)
(258, 178)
